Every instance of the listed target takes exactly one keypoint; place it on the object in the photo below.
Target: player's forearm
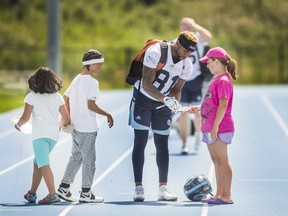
(147, 83)
(205, 34)
(67, 105)
(154, 92)
(177, 88)
(95, 108)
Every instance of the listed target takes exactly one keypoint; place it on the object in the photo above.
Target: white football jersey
(167, 77)
(195, 57)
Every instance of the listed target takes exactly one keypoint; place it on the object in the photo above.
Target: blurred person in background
(193, 89)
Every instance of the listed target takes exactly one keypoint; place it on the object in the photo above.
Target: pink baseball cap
(216, 52)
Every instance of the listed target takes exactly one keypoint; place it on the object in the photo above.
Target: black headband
(186, 43)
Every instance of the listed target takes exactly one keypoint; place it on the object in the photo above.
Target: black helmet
(197, 188)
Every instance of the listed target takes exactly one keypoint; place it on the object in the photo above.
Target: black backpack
(135, 71)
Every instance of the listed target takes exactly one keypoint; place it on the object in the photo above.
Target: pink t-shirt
(220, 87)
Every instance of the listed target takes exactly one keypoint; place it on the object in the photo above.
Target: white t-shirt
(82, 89)
(167, 77)
(195, 57)
(45, 114)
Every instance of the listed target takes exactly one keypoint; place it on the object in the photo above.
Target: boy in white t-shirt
(81, 102)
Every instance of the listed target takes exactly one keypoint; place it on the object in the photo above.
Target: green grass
(11, 99)
(254, 32)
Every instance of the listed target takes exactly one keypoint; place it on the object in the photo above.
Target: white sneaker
(185, 150)
(90, 197)
(165, 195)
(139, 194)
(65, 194)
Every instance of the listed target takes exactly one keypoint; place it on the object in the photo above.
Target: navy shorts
(146, 113)
(191, 93)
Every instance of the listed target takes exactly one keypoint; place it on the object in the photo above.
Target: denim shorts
(224, 137)
(42, 148)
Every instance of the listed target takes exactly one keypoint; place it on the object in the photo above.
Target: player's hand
(171, 103)
(110, 120)
(17, 127)
(194, 109)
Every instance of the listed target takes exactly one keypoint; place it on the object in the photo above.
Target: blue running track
(258, 157)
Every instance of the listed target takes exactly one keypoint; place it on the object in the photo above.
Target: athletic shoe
(139, 194)
(65, 194)
(165, 195)
(50, 199)
(185, 150)
(30, 197)
(90, 197)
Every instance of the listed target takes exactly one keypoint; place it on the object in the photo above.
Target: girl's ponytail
(232, 67)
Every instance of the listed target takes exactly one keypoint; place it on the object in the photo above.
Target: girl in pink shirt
(217, 121)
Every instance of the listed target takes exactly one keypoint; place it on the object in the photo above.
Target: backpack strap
(163, 58)
(162, 61)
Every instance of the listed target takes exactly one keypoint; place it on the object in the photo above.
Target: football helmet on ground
(197, 188)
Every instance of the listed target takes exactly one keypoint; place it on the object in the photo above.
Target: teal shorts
(42, 148)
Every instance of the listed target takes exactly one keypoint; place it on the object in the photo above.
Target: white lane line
(275, 114)
(101, 177)
(264, 180)
(14, 166)
(204, 211)
(8, 132)
(114, 114)
(16, 209)
(113, 166)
